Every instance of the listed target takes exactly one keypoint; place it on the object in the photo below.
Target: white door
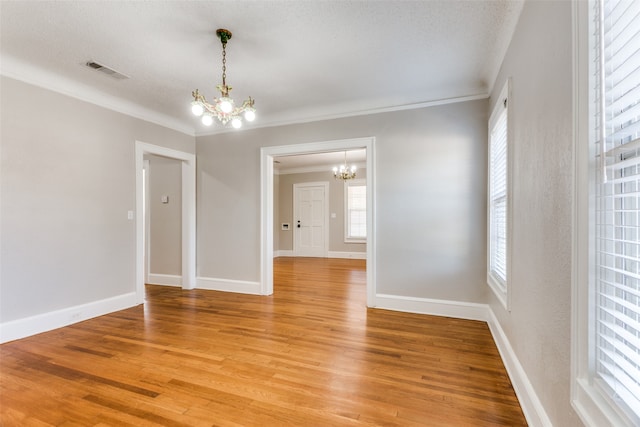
(310, 219)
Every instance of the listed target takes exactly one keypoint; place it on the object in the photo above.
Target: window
(355, 211)
(607, 348)
(617, 196)
(498, 203)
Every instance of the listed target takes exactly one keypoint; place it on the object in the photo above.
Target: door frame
(147, 219)
(188, 162)
(325, 185)
(266, 204)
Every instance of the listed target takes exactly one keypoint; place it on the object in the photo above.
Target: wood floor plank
(310, 355)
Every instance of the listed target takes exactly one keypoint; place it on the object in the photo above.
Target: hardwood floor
(310, 355)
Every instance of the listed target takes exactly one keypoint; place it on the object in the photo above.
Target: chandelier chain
(224, 65)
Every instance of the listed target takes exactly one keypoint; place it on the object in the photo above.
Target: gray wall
(539, 324)
(336, 205)
(165, 234)
(430, 198)
(68, 180)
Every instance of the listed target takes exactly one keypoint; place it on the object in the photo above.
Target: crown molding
(15, 69)
(275, 123)
(18, 70)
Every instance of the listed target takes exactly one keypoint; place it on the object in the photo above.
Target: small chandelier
(223, 108)
(344, 172)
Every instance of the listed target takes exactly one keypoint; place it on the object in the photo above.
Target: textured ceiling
(300, 60)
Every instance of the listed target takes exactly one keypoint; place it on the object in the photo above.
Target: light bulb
(207, 120)
(335, 169)
(236, 123)
(197, 108)
(353, 168)
(225, 105)
(250, 115)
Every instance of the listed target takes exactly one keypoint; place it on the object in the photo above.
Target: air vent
(106, 70)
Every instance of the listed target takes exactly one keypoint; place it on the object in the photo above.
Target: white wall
(431, 198)
(538, 326)
(68, 181)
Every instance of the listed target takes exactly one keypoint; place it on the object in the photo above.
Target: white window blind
(498, 198)
(356, 210)
(617, 229)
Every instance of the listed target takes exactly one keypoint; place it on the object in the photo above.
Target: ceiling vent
(106, 70)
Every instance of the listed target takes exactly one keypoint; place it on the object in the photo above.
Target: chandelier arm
(248, 103)
(199, 98)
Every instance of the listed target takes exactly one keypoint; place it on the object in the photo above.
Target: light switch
(333, 215)
(129, 214)
(165, 199)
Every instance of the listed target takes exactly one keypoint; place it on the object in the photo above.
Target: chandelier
(223, 108)
(343, 171)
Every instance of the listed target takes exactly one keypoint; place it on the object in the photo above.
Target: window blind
(617, 231)
(498, 199)
(357, 211)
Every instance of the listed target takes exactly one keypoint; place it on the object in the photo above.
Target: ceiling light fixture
(223, 108)
(344, 172)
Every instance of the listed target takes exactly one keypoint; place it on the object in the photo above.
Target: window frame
(500, 286)
(361, 182)
(592, 403)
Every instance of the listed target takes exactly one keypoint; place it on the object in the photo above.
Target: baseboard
(284, 252)
(353, 255)
(22, 328)
(330, 254)
(228, 285)
(531, 406)
(164, 279)
(446, 308)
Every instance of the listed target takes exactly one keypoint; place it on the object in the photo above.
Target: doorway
(163, 222)
(311, 219)
(267, 155)
(188, 232)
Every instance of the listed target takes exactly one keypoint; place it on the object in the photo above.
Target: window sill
(500, 291)
(355, 240)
